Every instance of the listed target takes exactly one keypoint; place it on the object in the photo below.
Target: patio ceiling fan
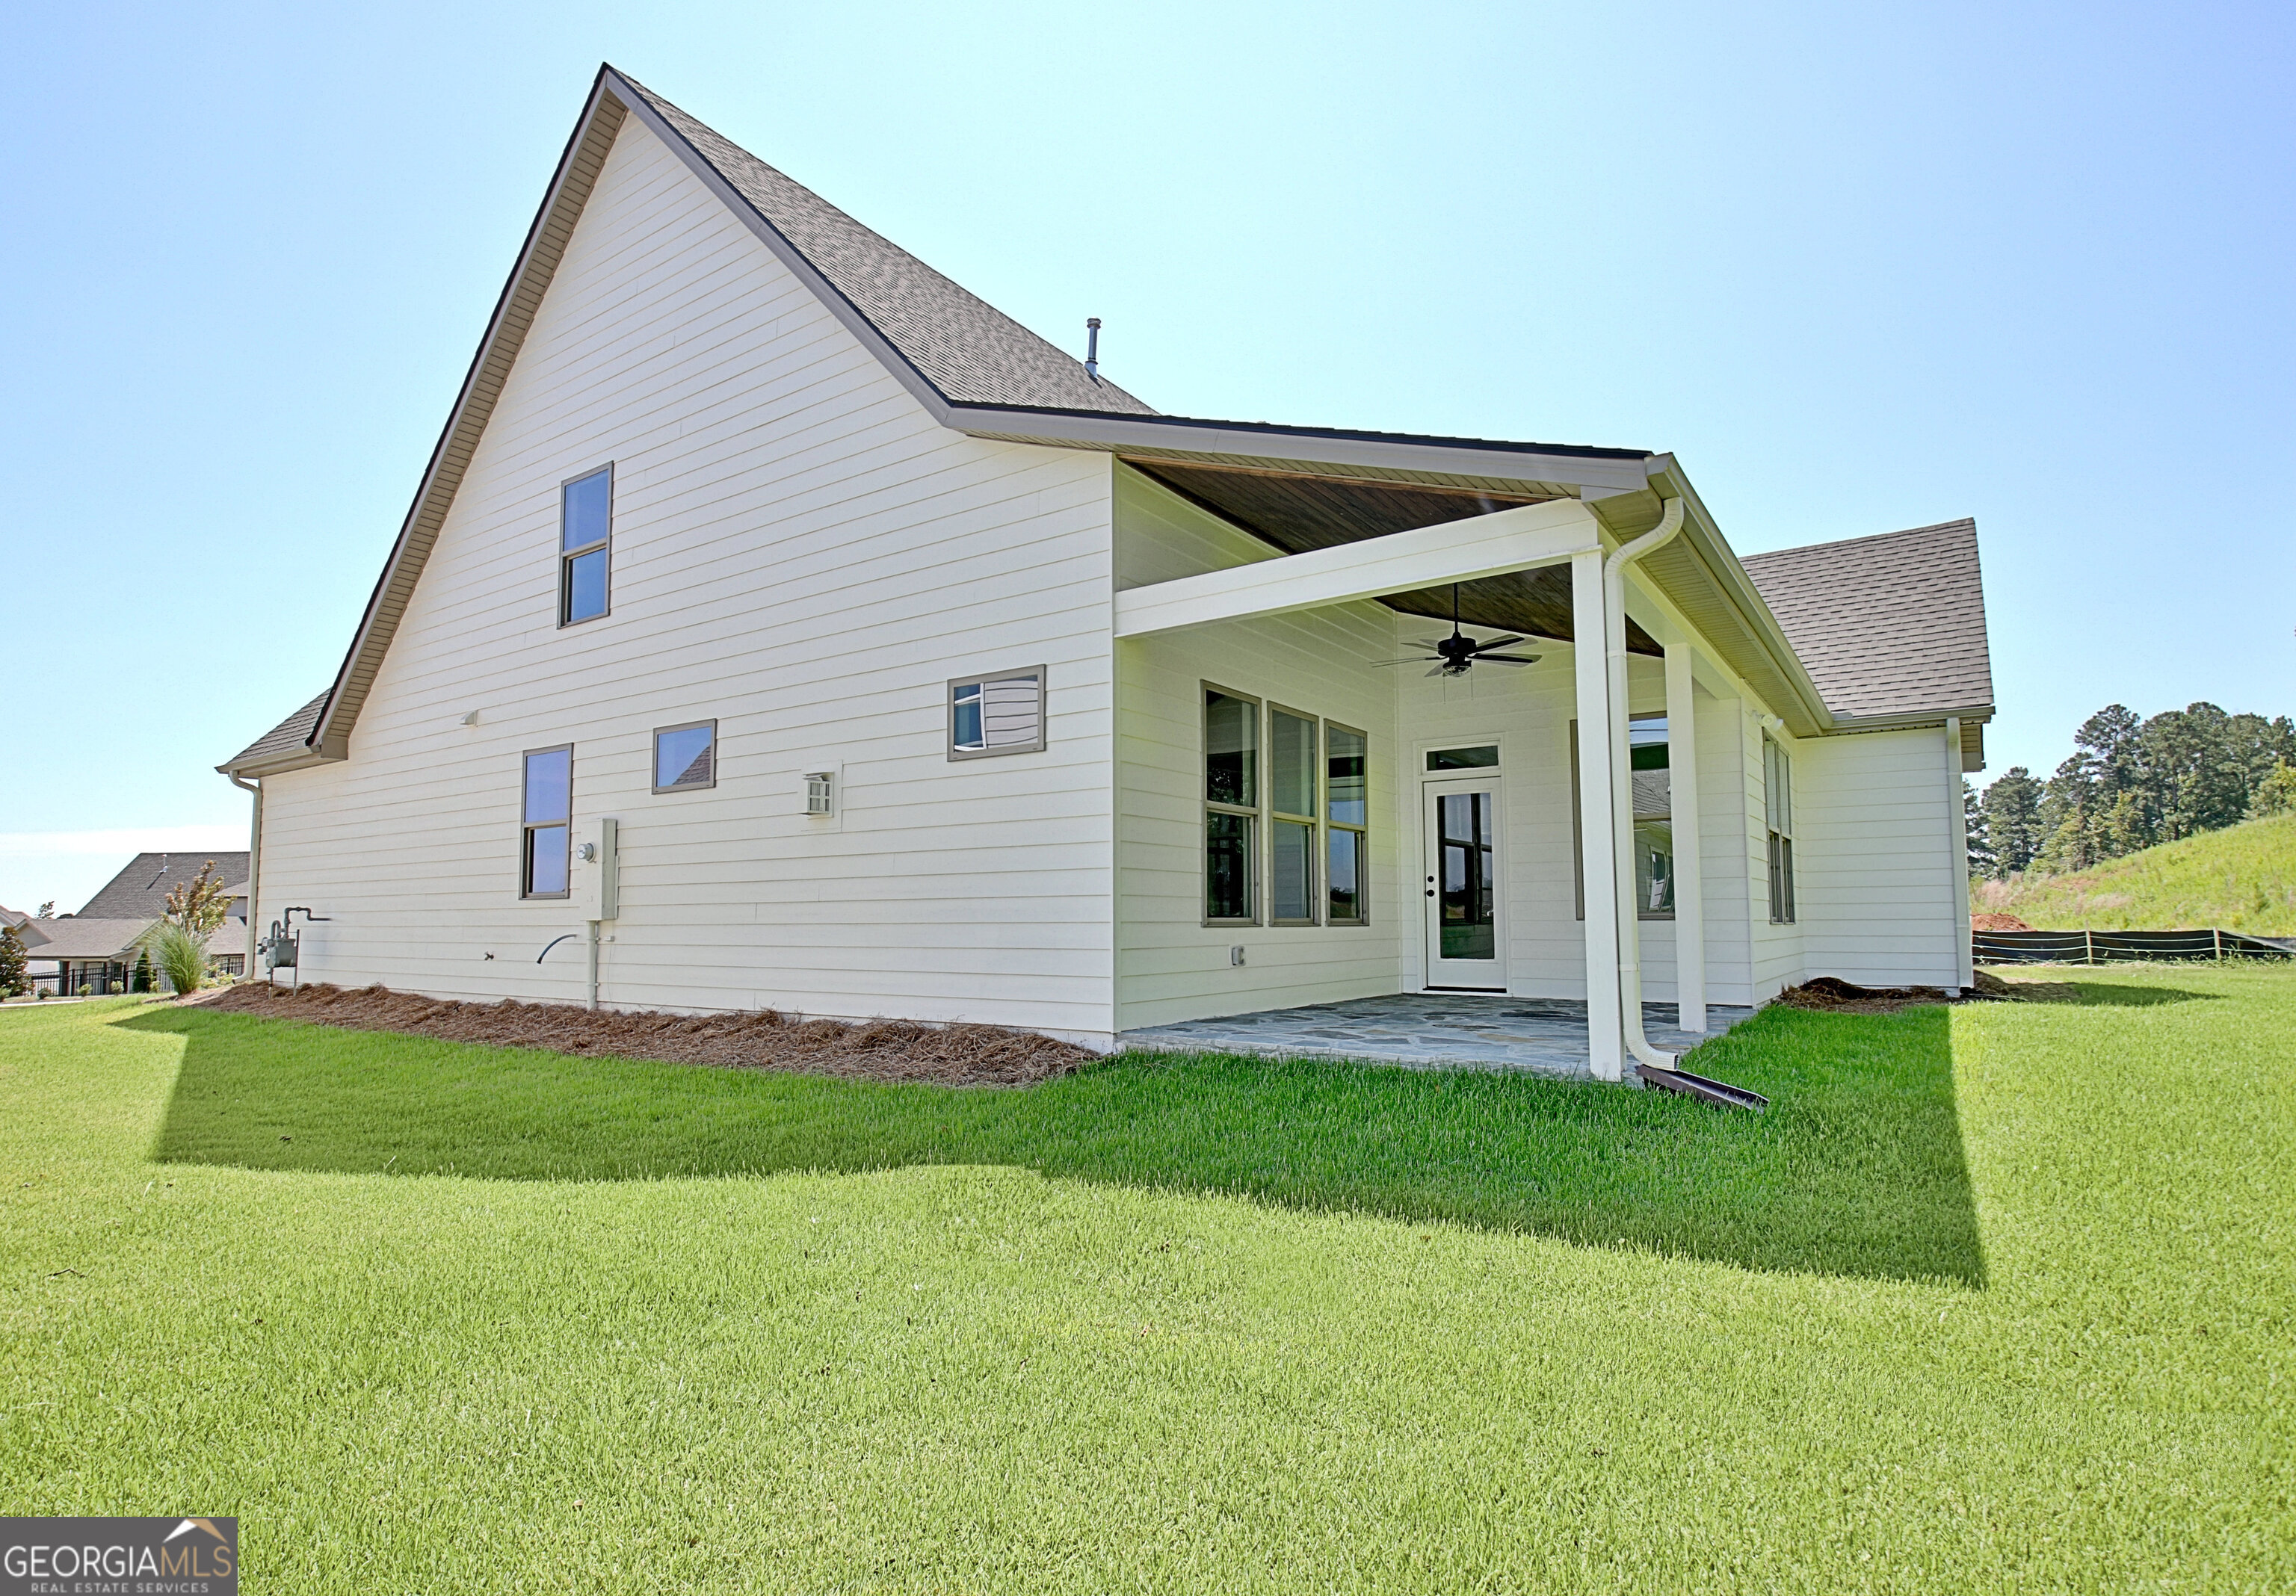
(1453, 655)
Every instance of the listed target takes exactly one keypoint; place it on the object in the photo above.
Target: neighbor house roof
(142, 888)
(1886, 625)
(78, 937)
(976, 370)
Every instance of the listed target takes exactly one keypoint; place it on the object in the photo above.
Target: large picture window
(1231, 807)
(1777, 805)
(585, 532)
(545, 846)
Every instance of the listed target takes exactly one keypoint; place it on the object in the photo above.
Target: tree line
(2131, 783)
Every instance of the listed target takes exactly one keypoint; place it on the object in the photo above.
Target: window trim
(982, 679)
(1331, 824)
(654, 755)
(1777, 805)
(526, 828)
(1254, 844)
(1314, 822)
(566, 556)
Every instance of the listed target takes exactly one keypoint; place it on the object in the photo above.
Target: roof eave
(303, 759)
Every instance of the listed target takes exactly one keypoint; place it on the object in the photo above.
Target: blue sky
(1860, 267)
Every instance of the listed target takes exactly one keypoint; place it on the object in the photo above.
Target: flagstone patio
(1429, 1029)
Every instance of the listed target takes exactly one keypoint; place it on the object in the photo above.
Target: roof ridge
(1969, 521)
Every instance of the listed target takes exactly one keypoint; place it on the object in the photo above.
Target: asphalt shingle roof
(969, 351)
(140, 891)
(288, 737)
(80, 937)
(1890, 624)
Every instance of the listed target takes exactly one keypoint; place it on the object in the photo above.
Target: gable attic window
(1003, 714)
(585, 533)
(686, 758)
(544, 849)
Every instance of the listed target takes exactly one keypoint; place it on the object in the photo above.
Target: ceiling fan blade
(1439, 670)
(1498, 643)
(1414, 660)
(1429, 642)
(1507, 659)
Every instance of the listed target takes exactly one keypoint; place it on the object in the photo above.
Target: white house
(922, 671)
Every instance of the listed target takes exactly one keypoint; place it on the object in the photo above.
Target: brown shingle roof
(78, 937)
(141, 890)
(967, 348)
(1891, 624)
(288, 737)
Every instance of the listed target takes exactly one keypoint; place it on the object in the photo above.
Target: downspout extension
(1622, 800)
(254, 861)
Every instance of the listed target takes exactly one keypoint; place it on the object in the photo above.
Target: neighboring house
(97, 946)
(924, 672)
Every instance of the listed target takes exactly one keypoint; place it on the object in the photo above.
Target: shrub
(13, 980)
(182, 957)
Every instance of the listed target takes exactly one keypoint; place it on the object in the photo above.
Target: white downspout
(254, 862)
(1622, 796)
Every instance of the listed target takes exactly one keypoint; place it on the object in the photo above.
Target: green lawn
(1994, 1297)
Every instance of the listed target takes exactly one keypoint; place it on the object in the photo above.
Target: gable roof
(79, 936)
(1888, 625)
(141, 890)
(977, 370)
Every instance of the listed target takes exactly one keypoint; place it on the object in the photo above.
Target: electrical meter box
(597, 887)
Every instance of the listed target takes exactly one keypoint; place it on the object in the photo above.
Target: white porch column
(1956, 831)
(1689, 879)
(1597, 820)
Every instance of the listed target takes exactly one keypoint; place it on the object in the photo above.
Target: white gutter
(254, 861)
(1622, 793)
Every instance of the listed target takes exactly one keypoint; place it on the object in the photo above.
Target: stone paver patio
(1431, 1029)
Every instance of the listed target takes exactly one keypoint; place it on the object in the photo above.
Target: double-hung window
(1231, 809)
(586, 535)
(1777, 804)
(1291, 818)
(1347, 805)
(545, 840)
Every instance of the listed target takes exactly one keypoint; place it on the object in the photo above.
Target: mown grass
(1203, 1325)
(2240, 879)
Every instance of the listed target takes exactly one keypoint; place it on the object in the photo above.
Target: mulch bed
(878, 1050)
(1834, 995)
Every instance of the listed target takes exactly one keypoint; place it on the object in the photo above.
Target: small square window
(686, 758)
(991, 714)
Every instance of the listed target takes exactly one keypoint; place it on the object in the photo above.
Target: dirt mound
(1997, 922)
(880, 1050)
(1833, 995)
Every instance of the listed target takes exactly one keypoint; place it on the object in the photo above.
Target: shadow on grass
(2100, 994)
(1858, 1169)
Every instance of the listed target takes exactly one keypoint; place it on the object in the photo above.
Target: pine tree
(2012, 807)
(1982, 859)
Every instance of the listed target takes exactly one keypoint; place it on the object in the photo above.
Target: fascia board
(1615, 470)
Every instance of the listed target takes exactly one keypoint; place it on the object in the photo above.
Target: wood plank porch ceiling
(1299, 512)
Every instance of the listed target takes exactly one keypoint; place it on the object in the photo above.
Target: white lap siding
(798, 552)
(1874, 858)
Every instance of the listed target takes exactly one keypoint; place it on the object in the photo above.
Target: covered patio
(1438, 1030)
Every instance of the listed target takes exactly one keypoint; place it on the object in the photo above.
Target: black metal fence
(2119, 947)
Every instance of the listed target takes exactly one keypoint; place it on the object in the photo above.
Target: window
(685, 756)
(230, 965)
(1230, 807)
(549, 809)
(1777, 805)
(585, 527)
(1347, 807)
(1486, 757)
(997, 715)
(1292, 847)
(1652, 789)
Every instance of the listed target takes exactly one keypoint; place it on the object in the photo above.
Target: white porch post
(1597, 822)
(1956, 831)
(1689, 880)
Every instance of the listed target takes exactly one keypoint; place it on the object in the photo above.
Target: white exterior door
(1466, 940)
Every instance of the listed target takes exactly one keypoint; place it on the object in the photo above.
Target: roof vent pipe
(1091, 348)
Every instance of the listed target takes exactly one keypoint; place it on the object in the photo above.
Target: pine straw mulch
(1831, 995)
(878, 1050)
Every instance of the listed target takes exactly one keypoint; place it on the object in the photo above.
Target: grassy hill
(2241, 879)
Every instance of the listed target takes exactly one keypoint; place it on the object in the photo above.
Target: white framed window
(546, 825)
(1651, 786)
(686, 758)
(585, 539)
(1231, 809)
(993, 714)
(1777, 808)
(1294, 806)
